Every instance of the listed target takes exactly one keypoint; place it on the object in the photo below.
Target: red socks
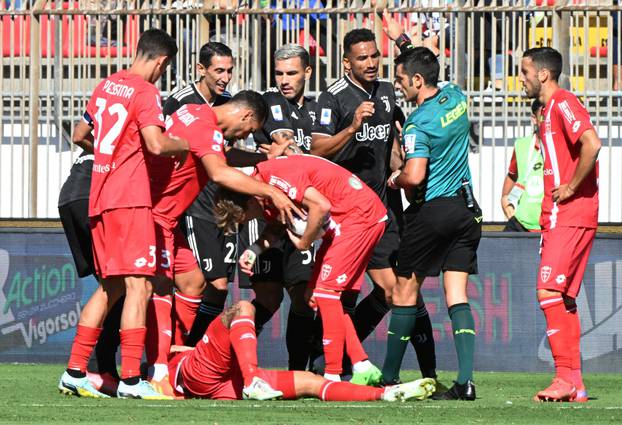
(244, 342)
(334, 335)
(345, 391)
(82, 347)
(354, 348)
(186, 307)
(559, 331)
(132, 347)
(158, 340)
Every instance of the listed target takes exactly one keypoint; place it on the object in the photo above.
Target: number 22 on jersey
(106, 137)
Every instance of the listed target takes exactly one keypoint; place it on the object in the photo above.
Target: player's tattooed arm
(230, 314)
(285, 140)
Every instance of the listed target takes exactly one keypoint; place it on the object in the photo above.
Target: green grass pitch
(28, 394)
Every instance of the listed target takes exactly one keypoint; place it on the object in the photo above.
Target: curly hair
(229, 210)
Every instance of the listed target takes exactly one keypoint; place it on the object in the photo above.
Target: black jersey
(286, 115)
(366, 154)
(203, 204)
(78, 184)
(190, 95)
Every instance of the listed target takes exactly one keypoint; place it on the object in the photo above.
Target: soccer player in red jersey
(174, 188)
(223, 366)
(569, 217)
(353, 218)
(123, 126)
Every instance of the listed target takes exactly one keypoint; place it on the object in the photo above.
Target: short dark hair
(536, 106)
(355, 36)
(547, 58)
(422, 61)
(211, 49)
(254, 101)
(154, 43)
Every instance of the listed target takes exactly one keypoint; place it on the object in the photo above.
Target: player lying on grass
(352, 218)
(223, 366)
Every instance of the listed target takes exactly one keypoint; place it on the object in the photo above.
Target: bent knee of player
(220, 284)
(245, 308)
(405, 291)
(138, 286)
(191, 283)
(307, 384)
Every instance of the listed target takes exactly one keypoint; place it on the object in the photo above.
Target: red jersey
(565, 120)
(120, 107)
(352, 201)
(173, 190)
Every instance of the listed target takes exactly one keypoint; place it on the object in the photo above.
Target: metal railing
(54, 53)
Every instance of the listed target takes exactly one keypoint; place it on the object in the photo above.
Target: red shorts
(175, 254)
(124, 242)
(341, 261)
(211, 371)
(564, 254)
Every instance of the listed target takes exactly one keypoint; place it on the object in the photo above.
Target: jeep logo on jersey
(545, 273)
(302, 140)
(371, 133)
(277, 113)
(326, 269)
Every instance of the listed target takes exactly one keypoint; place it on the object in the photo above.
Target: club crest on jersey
(312, 115)
(277, 113)
(545, 273)
(387, 105)
(326, 269)
(355, 183)
(325, 116)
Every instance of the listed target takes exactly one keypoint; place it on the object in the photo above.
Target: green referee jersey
(439, 130)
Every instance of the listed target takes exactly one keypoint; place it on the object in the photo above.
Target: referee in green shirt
(443, 222)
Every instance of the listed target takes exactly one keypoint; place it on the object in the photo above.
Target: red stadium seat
(598, 51)
(74, 30)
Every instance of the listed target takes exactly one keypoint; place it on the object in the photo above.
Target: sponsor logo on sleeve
(567, 112)
(355, 183)
(576, 126)
(409, 143)
(277, 113)
(325, 116)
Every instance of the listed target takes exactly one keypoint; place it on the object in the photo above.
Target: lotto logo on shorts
(561, 278)
(140, 262)
(341, 279)
(326, 269)
(545, 273)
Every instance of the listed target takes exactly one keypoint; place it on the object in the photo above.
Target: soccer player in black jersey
(73, 209)
(290, 118)
(355, 129)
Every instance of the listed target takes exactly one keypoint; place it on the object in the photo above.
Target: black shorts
(215, 252)
(440, 235)
(75, 219)
(385, 251)
(283, 263)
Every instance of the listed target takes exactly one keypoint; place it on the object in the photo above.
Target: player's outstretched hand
(247, 261)
(390, 26)
(391, 180)
(364, 111)
(296, 241)
(285, 206)
(562, 192)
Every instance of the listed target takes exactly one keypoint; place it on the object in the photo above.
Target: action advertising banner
(41, 298)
